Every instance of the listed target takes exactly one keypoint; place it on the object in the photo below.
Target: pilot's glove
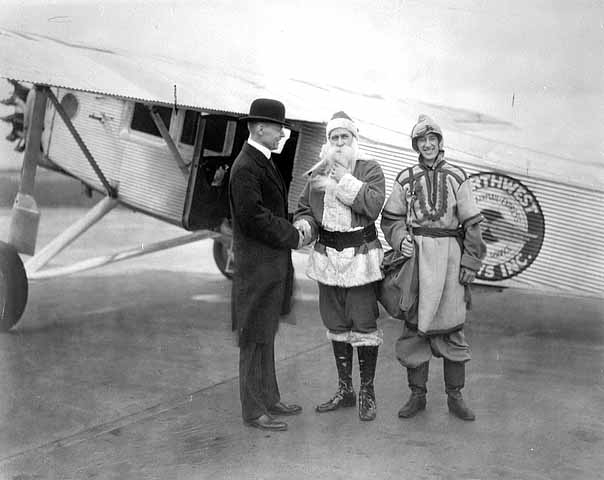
(466, 276)
(407, 248)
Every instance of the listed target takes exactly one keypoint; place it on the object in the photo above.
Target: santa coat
(444, 200)
(351, 204)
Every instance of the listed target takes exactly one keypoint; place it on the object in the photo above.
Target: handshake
(304, 231)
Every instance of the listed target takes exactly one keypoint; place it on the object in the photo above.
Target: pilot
(446, 239)
(338, 208)
(263, 239)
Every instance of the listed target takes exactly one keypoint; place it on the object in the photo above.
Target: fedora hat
(268, 110)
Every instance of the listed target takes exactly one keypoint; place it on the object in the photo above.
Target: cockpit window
(189, 127)
(143, 122)
(219, 137)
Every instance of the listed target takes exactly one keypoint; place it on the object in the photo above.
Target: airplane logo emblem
(513, 226)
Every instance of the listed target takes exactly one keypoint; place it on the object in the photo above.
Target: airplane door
(218, 142)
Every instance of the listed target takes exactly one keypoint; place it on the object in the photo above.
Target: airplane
(158, 136)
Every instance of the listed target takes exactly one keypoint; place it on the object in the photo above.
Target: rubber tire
(13, 287)
(220, 252)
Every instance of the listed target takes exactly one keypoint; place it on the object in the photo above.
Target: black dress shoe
(281, 408)
(265, 422)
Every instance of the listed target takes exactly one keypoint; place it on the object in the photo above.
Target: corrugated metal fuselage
(542, 233)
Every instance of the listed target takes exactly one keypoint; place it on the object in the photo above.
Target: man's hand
(407, 247)
(466, 276)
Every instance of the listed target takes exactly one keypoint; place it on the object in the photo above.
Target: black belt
(342, 240)
(438, 232)
(458, 233)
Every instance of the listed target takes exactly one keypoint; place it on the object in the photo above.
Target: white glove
(407, 247)
(305, 231)
(300, 240)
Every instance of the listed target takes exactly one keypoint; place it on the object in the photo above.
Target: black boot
(345, 396)
(417, 378)
(367, 364)
(455, 375)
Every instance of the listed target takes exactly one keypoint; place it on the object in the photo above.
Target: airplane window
(214, 135)
(143, 122)
(189, 127)
(219, 137)
(69, 102)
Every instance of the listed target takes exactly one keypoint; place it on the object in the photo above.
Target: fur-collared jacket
(350, 204)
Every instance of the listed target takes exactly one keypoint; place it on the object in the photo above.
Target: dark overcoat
(262, 241)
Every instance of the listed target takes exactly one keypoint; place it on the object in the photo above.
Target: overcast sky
(474, 54)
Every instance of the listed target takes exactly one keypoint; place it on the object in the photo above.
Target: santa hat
(341, 120)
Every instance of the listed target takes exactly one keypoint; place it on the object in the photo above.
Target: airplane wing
(34, 58)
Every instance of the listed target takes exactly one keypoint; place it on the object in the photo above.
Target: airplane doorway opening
(218, 142)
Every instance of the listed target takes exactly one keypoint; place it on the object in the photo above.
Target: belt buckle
(339, 243)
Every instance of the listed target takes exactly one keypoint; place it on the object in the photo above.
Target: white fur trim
(336, 216)
(341, 123)
(345, 269)
(338, 337)
(348, 188)
(373, 339)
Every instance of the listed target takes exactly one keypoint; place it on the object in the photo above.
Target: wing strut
(163, 130)
(111, 191)
(34, 267)
(70, 234)
(143, 249)
(26, 216)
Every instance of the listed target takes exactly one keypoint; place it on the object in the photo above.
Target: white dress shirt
(265, 151)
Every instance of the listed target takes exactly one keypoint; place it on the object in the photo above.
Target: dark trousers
(258, 388)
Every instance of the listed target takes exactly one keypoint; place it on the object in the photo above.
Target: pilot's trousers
(258, 388)
(412, 350)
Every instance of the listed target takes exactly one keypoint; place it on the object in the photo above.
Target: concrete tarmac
(130, 372)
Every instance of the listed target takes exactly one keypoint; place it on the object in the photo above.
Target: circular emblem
(513, 226)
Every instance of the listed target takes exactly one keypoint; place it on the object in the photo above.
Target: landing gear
(223, 257)
(13, 287)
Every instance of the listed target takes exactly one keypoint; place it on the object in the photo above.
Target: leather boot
(367, 364)
(344, 396)
(455, 374)
(417, 378)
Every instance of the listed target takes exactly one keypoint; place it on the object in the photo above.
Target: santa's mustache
(331, 155)
(344, 155)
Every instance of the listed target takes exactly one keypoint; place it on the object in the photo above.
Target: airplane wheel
(13, 287)
(221, 255)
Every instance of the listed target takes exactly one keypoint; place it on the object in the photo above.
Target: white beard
(345, 156)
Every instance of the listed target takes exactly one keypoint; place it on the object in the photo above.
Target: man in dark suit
(262, 241)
